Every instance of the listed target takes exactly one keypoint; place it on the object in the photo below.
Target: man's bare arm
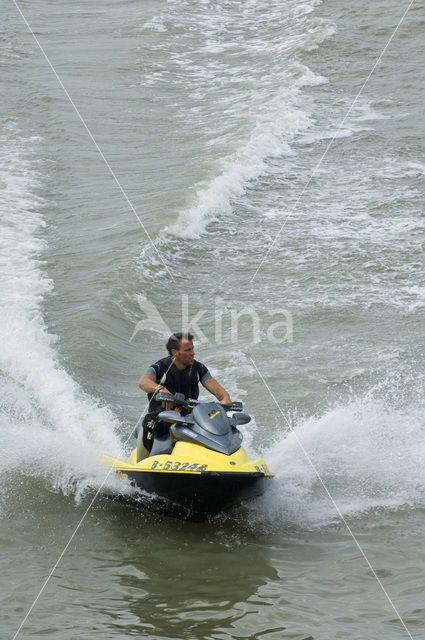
(148, 384)
(217, 390)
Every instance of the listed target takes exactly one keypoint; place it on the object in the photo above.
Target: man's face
(185, 354)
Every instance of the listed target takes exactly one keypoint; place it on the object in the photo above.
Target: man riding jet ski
(190, 458)
(199, 468)
(177, 373)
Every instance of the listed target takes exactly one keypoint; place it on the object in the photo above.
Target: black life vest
(185, 381)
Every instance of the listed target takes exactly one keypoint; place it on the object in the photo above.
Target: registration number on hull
(262, 468)
(173, 465)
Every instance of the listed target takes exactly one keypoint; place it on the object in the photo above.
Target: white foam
(274, 128)
(61, 427)
(238, 73)
(368, 453)
(155, 24)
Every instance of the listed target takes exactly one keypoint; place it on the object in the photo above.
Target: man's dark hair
(175, 339)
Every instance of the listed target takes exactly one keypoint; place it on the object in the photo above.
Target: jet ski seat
(162, 445)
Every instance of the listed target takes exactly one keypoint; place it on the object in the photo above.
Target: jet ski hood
(209, 425)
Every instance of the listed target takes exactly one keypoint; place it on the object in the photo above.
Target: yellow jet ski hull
(193, 482)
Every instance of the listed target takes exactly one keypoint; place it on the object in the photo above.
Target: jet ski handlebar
(179, 400)
(232, 406)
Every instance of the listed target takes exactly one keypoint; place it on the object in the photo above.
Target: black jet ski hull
(192, 482)
(197, 497)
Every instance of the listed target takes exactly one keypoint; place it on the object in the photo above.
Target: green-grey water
(214, 120)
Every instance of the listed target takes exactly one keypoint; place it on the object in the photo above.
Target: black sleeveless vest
(176, 381)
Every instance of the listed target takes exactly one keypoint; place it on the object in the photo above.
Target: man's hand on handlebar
(165, 405)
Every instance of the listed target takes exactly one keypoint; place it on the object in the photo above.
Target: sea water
(228, 166)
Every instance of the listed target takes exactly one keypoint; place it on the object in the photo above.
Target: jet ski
(199, 468)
